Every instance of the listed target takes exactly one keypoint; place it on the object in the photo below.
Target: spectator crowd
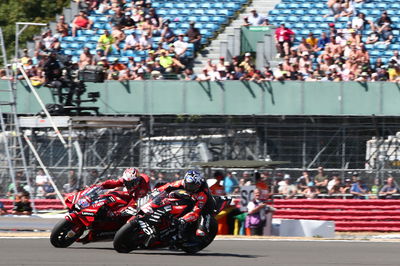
(339, 54)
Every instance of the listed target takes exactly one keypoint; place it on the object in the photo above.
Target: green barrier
(160, 97)
(251, 35)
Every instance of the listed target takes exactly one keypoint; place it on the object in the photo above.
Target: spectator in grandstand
(22, 205)
(40, 179)
(322, 41)
(359, 22)
(62, 27)
(280, 73)
(256, 217)
(335, 8)
(118, 71)
(145, 42)
(127, 23)
(336, 180)
(117, 18)
(218, 187)
(312, 41)
(286, 188)
(358, 189)
(384, 19)
(284, 38)
(166, 61)
(303, 181)
(311, 192)
(147, 26)
(345, 189)
(194, 35)
(386, 34)
(104, 6)
(86, 58)
(167, 34)
(255, 19)
(118, 35)
(132, 42)
(394, 72)
(48, 42)
(389, 189)
(247, 63)
(98, 56)
(156, 20)
(81, 22)
(106, 42)
(321, 179)
(11, 191)
(72, 185)
(372, 38)
(230, 182)
(348, 9)
(395, 59)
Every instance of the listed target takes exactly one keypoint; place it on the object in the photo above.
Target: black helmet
(193, 181)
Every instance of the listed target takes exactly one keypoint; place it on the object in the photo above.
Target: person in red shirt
(217, 189)
(261, 184)
(284, 38)
(80, 22)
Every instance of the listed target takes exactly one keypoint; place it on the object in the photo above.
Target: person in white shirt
(180, 47)
(255, 19)
(131, 42)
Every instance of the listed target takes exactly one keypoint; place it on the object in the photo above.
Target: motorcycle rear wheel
(59, 235)
(203, 241)
(127, 238)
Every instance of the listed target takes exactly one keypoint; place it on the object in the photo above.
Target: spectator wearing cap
(81, 22)
(345, 189)
(286, 188)
(311, 191)
(303, 181)
(189, 75)
(389, 189)
(284, 38)
(194, 35)
(132, 42)
(145, 43)
(139, 74)
(181, 48)
(221, 62)
(395, 59)
(358, 189)
(255, 19)
(204, 75)
(147, 25)
(247, 63)
(127, 23)
(118, 71)
(167, 34)
(304, 46)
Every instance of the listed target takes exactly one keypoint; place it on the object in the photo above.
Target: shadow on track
(173, 253)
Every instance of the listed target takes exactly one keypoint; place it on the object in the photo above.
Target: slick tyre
(61, 234)
(127, 238)
(202, 242)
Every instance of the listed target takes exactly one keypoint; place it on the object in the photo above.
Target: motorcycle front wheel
(62, 235)
(128, 237)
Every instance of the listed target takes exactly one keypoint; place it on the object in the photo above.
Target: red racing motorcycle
(89, 210)
(156, 224)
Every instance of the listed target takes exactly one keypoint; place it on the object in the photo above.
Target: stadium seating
(307, 16)
(210, 16)
(348, 214)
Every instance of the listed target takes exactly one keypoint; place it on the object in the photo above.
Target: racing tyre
(62, 235)
(202, 242)
(127, 238)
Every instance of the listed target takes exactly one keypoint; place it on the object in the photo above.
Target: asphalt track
(219, 253)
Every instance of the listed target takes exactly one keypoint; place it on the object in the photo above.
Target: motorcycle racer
(194, 183)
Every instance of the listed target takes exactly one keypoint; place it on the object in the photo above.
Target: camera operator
(256, 217)
(59, 75)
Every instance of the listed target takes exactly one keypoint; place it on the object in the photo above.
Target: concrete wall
(232, 98)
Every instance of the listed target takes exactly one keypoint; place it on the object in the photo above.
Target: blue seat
(292, 6)
(217, 5)
(98, 25)
(231, 6)
(306, 19)
(204, 19)
(103, 19)
(82, 39)
(174, 12)
(282, 6)
(169, 5)
(76, 45)
(293, 19)
(68, 39)
(90, 45)
(64, 45)
(383, 6)
(193, 5)
(205, 5)
(299, 12)
(274, 12)
(199, 12)
(94, 38)
(211, 12)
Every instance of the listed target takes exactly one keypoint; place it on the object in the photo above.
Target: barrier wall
(159, 97)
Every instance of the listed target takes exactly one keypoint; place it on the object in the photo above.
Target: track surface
(219, 253)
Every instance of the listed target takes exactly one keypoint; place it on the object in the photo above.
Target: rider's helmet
(131, 178)
(193, 181)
